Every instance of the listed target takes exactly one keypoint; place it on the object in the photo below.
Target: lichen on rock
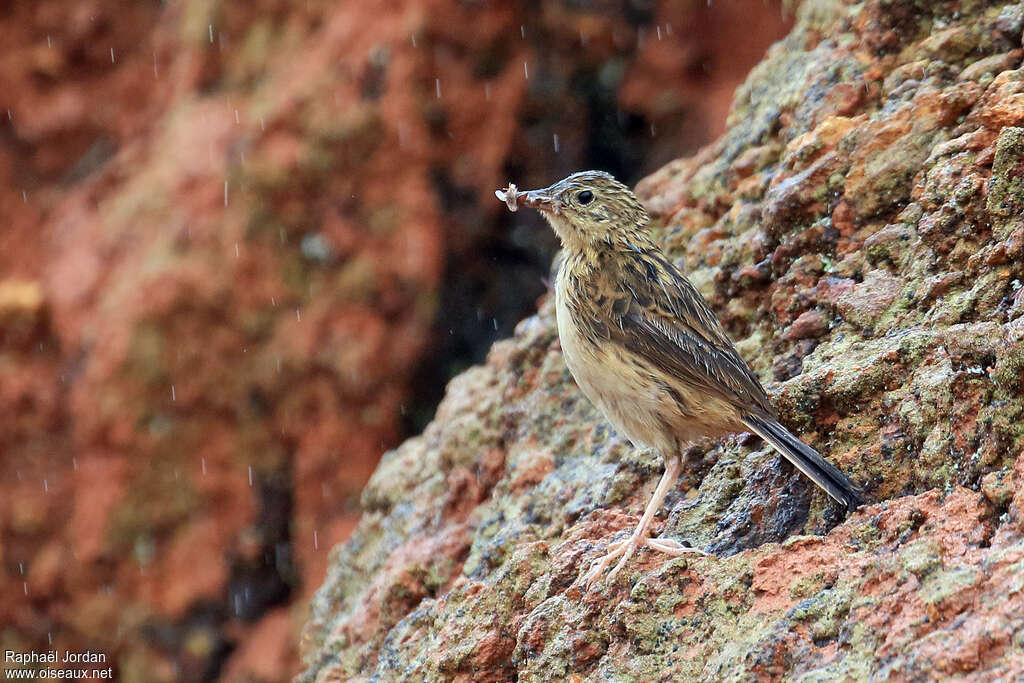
(858, 230)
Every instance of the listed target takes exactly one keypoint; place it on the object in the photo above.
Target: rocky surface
(860, 231)
(240, 238)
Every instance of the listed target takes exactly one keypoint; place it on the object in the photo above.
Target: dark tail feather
(807, 460)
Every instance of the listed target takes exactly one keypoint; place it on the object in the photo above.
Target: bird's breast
(614, 381)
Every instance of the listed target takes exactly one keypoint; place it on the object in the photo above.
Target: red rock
(914, 390)
(808, 325)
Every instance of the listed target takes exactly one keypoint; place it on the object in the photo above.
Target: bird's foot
(674, 548)
(625, 549)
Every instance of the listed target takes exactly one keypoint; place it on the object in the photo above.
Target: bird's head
(585, 210)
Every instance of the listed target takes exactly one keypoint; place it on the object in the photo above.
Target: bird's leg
(625, 549)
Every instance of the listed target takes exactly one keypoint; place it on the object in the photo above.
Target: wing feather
(662, 318)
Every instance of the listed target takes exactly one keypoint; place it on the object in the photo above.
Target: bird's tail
(807, 460)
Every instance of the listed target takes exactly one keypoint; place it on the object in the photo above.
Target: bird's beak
(542, 200)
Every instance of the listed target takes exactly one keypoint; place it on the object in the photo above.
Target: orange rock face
(859, 230)
(245, 245)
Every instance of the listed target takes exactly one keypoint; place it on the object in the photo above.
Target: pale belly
(636, 398)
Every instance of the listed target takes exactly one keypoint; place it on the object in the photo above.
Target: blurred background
(244, 247)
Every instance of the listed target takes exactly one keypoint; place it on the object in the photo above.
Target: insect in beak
(535, 199)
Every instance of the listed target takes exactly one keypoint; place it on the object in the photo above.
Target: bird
(647, 350)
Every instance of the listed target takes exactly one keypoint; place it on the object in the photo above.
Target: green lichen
(940, 586)
(1006, 191)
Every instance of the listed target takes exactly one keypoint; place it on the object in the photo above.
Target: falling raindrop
(204, 465)
(46, 486)
(273, 301)
(316, 541)
(522, 30)
(156, 72)
(225, 193)
(298, 318)
(279, 364)
(555, 141)
(49, 43)
(437, 84)
(10, 116)
(653, 131)
(237, 253)
(111, 55)
(495, 321)
(74, 463)
(526, 70)
(25, 586)
(659, 31)
(211, 34)
(413, 39)
(487, 91)
(24, 196)
(174, 396)
(668, 29)
(236, 118)
(21, 568)
(263, 125)
(250, 476)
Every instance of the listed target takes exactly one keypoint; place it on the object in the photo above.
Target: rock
(915, 392)
(22, 311)
(1006, 189)
(865, 302)
(245, 246)
(808, 325)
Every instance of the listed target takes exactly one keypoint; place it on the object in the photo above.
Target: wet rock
(244, 248)
(864, 303)
(913, 388)
(810, 324)
(1006, 189)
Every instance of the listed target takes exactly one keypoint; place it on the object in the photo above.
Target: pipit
(646, 349)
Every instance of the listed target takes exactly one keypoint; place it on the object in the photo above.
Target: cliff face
(232, 233)
(860, 231)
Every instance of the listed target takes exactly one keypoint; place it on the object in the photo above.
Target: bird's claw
(619, 548)
(624, 549)
(674, 548)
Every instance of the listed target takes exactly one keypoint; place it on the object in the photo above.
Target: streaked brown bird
(645, 348)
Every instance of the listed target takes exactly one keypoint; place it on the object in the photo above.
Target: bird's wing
(654, 312)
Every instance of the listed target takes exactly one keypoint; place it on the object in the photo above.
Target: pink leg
(625, 549)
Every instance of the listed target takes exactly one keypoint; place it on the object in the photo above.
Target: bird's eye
(585, 197)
